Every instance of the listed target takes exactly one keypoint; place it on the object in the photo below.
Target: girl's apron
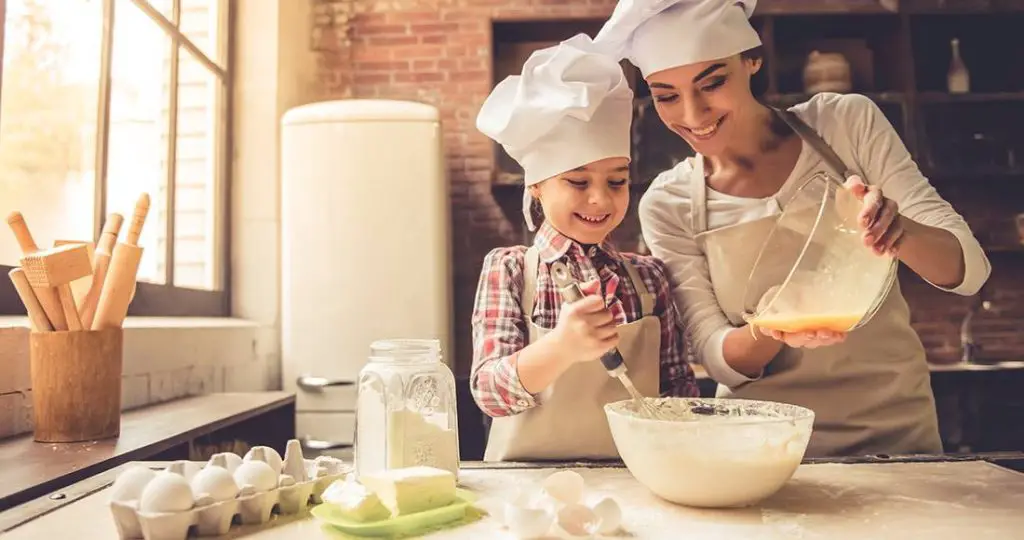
(870, 394)
(570, 422)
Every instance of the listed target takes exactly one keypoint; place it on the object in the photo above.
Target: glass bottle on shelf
(406, 413)
(958, 79)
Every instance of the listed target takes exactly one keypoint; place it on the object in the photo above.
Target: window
(102, 100)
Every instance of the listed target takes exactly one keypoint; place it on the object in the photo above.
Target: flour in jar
(414, 440)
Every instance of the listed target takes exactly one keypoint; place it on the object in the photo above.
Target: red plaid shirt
(499, 325)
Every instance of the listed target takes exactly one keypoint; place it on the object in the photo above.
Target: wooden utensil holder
(76, 384)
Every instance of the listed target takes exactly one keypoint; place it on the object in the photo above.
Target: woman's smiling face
(705, 102)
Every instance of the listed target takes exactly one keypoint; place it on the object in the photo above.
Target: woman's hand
(806, 340)
(879, 217)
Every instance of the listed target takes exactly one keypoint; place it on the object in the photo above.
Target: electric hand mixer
(612, 360)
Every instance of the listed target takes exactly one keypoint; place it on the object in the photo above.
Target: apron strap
(530, 282)
(698, 198)
(646, 298)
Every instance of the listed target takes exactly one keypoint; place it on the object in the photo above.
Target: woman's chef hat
(570, 106)
(655, 35)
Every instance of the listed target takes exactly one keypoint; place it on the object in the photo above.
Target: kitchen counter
(932, 497)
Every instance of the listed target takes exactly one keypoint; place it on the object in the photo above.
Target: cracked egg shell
(165, 493)
(269, 456)
(216, 482)
(577, 520)
(129, 484)
(609, 515)
(257, 474)
(564, 486)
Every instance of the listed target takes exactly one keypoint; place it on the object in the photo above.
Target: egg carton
(189, 498)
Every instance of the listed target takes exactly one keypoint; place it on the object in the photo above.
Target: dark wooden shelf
(163, 431)
(973, 97)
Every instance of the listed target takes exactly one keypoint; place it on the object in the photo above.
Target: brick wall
(440, 52)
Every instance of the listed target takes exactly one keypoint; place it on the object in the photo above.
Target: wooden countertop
(700, 373)
(30, 468)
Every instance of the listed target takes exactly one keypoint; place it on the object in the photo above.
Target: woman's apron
(570, 422)
(870, 394)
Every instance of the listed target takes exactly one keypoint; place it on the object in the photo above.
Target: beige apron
(570, 422)
(870, 394)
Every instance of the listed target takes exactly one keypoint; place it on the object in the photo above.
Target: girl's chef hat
(655, 35)
(570, 106)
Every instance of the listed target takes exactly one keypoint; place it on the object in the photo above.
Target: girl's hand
(879, 217)
(586, 329)
(806, 340)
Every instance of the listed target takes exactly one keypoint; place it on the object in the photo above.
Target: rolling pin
(48, 298)
(36, 315)
(57, 268)
(119, 282)
(100, 264)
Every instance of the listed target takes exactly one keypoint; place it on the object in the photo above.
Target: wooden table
(168, 431)
(933, 497)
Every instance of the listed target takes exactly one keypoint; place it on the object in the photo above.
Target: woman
(708, 216)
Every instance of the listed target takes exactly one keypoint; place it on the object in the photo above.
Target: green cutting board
(410, 524)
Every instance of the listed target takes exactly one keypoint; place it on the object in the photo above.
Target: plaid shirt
(499, 325)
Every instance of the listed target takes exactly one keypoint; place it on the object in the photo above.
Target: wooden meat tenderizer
(47, 297)
(36, 315)
(100, 264)
(119, 283)
(57, 268)
(80, 287)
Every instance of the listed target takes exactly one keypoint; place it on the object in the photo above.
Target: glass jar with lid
(406, 413)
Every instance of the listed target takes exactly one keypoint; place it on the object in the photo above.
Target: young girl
(536, 369)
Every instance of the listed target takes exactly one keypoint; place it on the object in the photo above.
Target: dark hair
(759, 80)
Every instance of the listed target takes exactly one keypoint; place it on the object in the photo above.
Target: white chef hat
(570, 106)
(655, 35)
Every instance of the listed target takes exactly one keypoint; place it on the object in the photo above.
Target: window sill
(164, 358)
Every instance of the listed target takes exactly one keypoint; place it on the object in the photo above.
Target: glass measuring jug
(814, 271)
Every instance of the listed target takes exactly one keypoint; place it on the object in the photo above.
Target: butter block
(355, 501)
(412, 489)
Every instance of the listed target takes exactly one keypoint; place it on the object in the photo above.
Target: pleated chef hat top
(655, 35)
(570, 106)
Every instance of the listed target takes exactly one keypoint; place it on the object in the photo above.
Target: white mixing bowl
(711, 453)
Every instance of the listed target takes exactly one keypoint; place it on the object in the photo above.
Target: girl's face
(706, 103)
(588, 202)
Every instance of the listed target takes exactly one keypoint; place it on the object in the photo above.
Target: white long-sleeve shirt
(862, 136)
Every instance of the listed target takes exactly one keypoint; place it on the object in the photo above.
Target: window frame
(152, 299)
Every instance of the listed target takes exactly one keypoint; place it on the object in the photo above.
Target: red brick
(434, 39)
(381, 29)
(475, 76)
(427, 52)
(372, 78)
(414, 16)
(424, 65)
(419, 77)
(382, 66)
(387, 41)
(435, 28)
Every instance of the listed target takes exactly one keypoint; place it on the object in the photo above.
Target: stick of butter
(354, 501)
(412, 489)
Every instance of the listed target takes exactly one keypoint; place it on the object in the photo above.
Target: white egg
(609, 515)
(167, 492)
(257, 474)
(227, 460)
(129, 484)
(577, 520)
(527, 522)
(216, 482)
(265, 454)
(565, 486)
